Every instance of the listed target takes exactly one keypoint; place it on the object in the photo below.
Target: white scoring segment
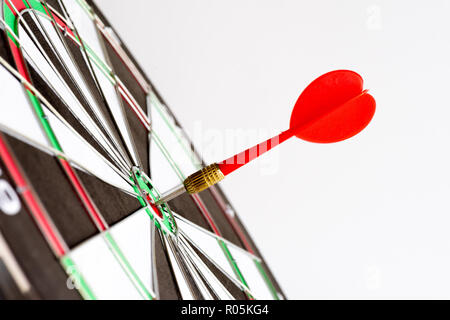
(73, 145)
(134, 238)
(102, 272)
(208, 244)
(89, 33)
(16, 111)
(168, 173)
(210, 247)
(75, 148)
(252, 275)
(35, 57)
(84, 25)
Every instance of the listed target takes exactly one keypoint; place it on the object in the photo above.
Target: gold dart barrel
(196, 182)
(203, 179)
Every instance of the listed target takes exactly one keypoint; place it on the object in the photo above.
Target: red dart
(334, 107)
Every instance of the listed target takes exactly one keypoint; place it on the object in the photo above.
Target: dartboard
(87, 148)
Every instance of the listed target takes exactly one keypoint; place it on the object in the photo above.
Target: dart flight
(332, 108)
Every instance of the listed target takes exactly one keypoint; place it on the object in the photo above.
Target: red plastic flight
(334, 107)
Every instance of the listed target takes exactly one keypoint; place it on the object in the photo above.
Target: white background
(365, 218)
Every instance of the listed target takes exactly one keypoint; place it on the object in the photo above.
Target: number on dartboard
(9, 200)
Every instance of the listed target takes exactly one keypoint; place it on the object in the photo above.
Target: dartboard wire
(196, 277)
(205, 272)
(118, 165)
(82, 46)
(192, 275)
(107, 71)
(145, 292)
(116, 82)
(256, 260)
(237, 282)
(118, 161)
(57, 153)
(49, 106)
(149, 116)
(195, 257)
(103, 67)
(143, 83)
(181, 266)
(137, 109)
(119, 98)
(187, 274)
(153, 234)
(218, 198)
(105, 123)
(202, 285)
(76, 183)
(45, 224)
(229, 213)
(215, 236)
(116, 149)
(162, 110)
(153, 269)
(170, 262)
(17, 39)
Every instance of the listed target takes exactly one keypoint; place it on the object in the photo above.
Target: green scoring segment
(147, 196)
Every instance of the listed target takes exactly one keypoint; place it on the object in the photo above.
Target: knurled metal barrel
(203, 178)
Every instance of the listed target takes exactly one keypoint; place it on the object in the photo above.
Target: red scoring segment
(48, 229)
(332, 108)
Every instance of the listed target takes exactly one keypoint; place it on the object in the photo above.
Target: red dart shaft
(235, 162)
